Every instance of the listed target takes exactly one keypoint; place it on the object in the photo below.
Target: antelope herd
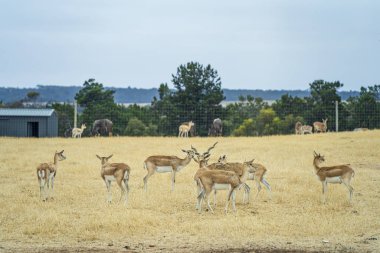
(319, 127)
(222, 175)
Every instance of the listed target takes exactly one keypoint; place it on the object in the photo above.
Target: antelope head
(104, 159)
(249, 163)
(60, 155)
(222, 159)
(83, 126)
(190, 153)
(318, 158)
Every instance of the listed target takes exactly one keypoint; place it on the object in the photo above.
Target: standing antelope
(320, 126)
(185, 129)
(46, 173)
(77, 132)
(297, 127)
(213, 179)
(306, 129)
(163, 164)
(333, 174)
(257, 174)
(118, 172)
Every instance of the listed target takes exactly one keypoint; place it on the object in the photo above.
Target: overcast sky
(283, 44)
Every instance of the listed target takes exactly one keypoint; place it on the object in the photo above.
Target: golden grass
(294, 218)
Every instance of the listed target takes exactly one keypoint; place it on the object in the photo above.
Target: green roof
(26, 112)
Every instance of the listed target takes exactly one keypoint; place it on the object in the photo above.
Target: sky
(268, 44)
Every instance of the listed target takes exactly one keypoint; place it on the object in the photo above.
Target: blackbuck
(306, 129)
(118, 172)
(237, 168)
(77, 132)
(297, 127)
(320, 126)
(220, 179)
(46, 173)
(257, 173)
(165, 164)
(185, 129)
(333, 174)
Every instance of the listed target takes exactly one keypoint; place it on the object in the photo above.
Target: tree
(94, 93)
(135, 127)
(235, 113)
(365, 109)
(322, 101)
(287, 105)
(196, 97)
(65, 118)
(99, 104)
(32, 96)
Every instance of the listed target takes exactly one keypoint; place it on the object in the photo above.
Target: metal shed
(28, 122)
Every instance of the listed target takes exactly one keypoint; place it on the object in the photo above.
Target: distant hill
(50, 93)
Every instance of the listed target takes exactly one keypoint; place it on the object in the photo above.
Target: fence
(241, 118)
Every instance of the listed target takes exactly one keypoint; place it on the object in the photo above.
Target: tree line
(197, 96)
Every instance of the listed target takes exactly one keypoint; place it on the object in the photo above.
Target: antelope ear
(315, 153)
(98, 157)
(109, 157)
(61, 151)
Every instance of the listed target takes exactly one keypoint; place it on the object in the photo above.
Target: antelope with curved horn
(333, 174)
(46, 173)
(118, 172)
(212, 179)
(164, 164)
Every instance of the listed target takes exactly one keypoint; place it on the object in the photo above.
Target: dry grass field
(79, 219)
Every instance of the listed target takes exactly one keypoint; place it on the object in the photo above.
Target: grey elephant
(216, 128)
(102, 127)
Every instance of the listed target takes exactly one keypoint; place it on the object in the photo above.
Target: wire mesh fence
(246, 117)
(241, 118)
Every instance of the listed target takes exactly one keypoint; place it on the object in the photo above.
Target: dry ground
(79, 220)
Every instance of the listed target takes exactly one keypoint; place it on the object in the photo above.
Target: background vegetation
(197, 96)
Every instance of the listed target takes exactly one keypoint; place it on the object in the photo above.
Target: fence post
(75, 114)
(336, 117)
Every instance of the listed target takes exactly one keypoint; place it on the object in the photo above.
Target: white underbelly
(251, 176)
(110, 178)
(164, 169)
(179, 168)
(221, 186)
(334, 180)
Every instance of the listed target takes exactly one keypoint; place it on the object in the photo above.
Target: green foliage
(365, 109)
(32, 96)
(247, 128)
(234, 114)
(135, 127)
(93, 93)
(322, 102)
(196, 97)
(65, 114)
